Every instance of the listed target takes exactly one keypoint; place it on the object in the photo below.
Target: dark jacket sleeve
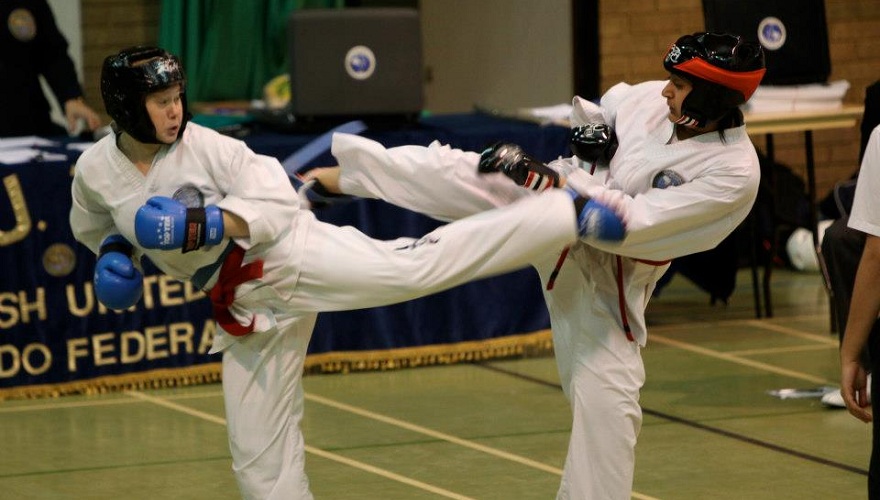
(31, 45)
(55, 63)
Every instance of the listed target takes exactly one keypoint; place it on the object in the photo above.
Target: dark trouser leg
(874, 467)
(842, 249)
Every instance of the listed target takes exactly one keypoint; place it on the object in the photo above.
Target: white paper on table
(557, 112)
(27, 155)
(810, 97)
(80, 146)
(29, 141)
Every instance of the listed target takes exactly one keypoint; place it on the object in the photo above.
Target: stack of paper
(556, 114)
(18, 150)
(811, 97)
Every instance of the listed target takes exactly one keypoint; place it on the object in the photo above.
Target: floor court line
(697, 425)
(756, 442)
(781, 350)
(177, 407)
(754, 323)
(447, 437)
(43, 473)
(739, 360)
(385, 473)
(165, 402)
(57, 405)
(794, 332)
(434, 434)
(728, 356)
(309, 449)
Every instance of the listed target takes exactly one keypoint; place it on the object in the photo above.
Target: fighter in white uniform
(205, 208)
(685, 174)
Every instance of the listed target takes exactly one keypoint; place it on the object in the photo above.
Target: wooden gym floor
(494, 430)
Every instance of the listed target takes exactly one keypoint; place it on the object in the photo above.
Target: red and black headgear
(127, 78)
(724, 70)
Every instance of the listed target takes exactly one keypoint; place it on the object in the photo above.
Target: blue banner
(52, 328)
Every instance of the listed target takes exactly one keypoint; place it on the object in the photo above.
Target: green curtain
(229, 48)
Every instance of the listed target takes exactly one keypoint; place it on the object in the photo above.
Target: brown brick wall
(110, 25)
(635, 33)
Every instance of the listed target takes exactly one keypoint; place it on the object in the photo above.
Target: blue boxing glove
(118, 283)
(596, 220)
(166, 224)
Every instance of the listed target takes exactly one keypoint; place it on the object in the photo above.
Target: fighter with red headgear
(723, 70)
(672, 156)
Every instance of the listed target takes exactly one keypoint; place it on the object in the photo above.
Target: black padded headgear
(724, 70)
(127, 78)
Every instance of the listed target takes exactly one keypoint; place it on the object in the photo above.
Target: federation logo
(771, 33)
(360, 62)
(190, 197)
(22, 25)
(667, 178)
(59, 260)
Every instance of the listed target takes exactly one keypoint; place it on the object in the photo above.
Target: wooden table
(803, 121)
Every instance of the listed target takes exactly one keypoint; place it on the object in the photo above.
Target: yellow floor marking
(738, 359)
(384, 473)
(434, 434)
(446, 437)
(782, 350)
(309, 449)
(825, 339)
(755, 323)
(177, 407)
(57, 405)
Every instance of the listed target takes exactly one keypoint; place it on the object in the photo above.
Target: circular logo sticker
(22, 25)
(771, 33)
(360, 62)
(59, 260)
(667, 178)
(190, 197)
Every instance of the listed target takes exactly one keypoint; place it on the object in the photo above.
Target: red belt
(232, 274)
(621, 296)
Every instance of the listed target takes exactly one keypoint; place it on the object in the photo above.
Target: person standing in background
(683, 174)
(864, 308)
(30, 46)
